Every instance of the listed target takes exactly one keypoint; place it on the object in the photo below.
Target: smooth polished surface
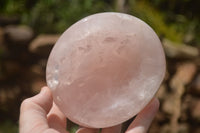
(105, 68)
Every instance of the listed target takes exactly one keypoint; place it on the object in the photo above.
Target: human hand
(39, 114)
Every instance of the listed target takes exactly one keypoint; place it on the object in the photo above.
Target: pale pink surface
(105, 68)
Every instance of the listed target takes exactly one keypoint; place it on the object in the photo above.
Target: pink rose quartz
(105, 68)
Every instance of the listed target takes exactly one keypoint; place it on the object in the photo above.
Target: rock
(186, 102)
(189, 37)
(3, 96)
(37, 84)
(7, 94)
(195, 109)
(162, 93)
(5, 20)
(43, 64)
(197, 130)
(168, 105)
(11, 67)
(153, 128)
(167, 75)
(174, 50)
(161, 117)
(184, 74)
(165, 129)
(38, 70)
(109, 66)
(120, 5)
(183, 128)
(195, 87)
(18, 34)
(1, 36)
(43, 44)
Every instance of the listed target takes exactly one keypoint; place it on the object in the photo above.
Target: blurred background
(29, 29)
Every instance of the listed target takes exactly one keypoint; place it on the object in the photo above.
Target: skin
(39, 114)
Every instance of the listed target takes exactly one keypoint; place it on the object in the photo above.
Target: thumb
(33, 112)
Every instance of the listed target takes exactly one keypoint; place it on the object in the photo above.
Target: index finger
(143, 120)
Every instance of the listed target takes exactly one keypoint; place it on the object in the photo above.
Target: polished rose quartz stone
(105, 68)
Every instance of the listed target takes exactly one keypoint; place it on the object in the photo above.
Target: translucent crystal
(105, 68)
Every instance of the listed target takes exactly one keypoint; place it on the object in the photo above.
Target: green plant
(155, 19)
(8, 127)
(57, 15)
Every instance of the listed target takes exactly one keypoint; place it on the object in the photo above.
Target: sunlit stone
(105, 68)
